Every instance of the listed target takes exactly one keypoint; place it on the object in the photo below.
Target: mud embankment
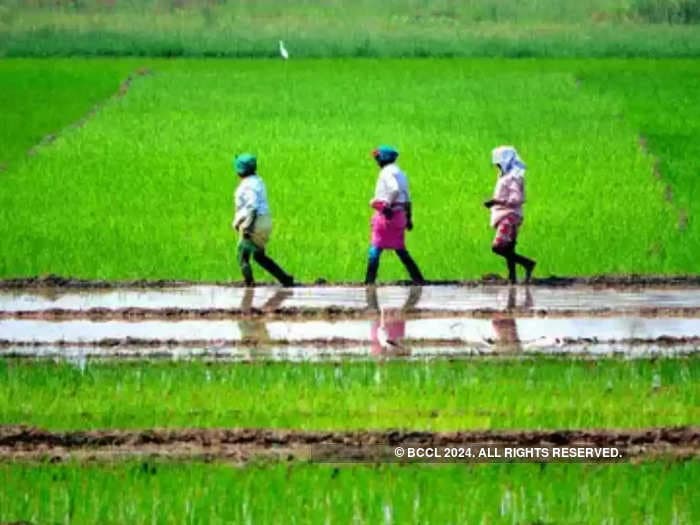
(601, 281)
(240, 445)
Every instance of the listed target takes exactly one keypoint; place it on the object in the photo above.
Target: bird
(283, 51)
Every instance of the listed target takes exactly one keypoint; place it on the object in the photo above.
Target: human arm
(248, 224)
(246, 209)
(508, 192)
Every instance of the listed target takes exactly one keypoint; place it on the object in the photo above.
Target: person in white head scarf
(507, 209)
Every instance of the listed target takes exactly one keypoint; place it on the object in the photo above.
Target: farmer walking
(252, 221)
(507, 209)
(392, 216)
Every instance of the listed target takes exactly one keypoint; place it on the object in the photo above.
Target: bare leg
(512, 258)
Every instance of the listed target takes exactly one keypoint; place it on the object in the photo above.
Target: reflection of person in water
(387, 332)
(504, 325)
(255, 330)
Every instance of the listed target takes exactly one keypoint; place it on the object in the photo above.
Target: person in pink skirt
(392, 215)
(507, 209)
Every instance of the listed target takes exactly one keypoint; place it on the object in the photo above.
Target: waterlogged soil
(215, 301)
(78, 320)
(392, 331)
(81, 356)
(600, 281)
(240, 445)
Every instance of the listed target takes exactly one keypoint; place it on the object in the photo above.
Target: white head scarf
(507, 157)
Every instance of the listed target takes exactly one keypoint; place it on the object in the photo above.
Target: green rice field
(143, 188)
(515, 394)
(154, 492)
(119, 123)
(40, 99)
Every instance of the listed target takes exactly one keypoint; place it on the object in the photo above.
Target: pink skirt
(388, 234)
(507, 231)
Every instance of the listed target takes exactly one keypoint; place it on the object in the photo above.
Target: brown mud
(602, 281)
(240, 445)
(324, 313)
(338, 342)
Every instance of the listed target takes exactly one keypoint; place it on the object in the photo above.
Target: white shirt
(392, 186)
(250, 196)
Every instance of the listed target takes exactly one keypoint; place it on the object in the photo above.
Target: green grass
(145, 188)
(541, 393)
(396, 28)
(131, 492)
(38, 99)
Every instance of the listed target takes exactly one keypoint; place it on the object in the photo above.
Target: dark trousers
(246, 249)
(406, 259)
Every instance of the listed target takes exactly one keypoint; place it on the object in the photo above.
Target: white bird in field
(283, 51)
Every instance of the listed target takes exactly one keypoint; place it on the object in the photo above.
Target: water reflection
(504, 326)
(256, 330)
(389, 330)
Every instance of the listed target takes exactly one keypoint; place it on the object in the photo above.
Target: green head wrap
(245, 164)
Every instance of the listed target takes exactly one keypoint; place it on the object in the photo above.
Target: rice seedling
(161, 158)
(38, 101)
(540, 393)
(156, 492)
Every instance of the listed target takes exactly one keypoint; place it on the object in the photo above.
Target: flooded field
(530, 332)
(320, 323)
(324, 300)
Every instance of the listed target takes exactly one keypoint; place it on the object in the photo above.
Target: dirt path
(324, 313)
(601, 281)
(238, 445)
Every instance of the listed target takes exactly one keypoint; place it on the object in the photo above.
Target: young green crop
(479, 394)
(145, 187)
(39, 99)
(154, 492)
(662, 103)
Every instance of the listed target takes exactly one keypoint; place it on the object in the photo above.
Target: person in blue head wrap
(392, 215)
